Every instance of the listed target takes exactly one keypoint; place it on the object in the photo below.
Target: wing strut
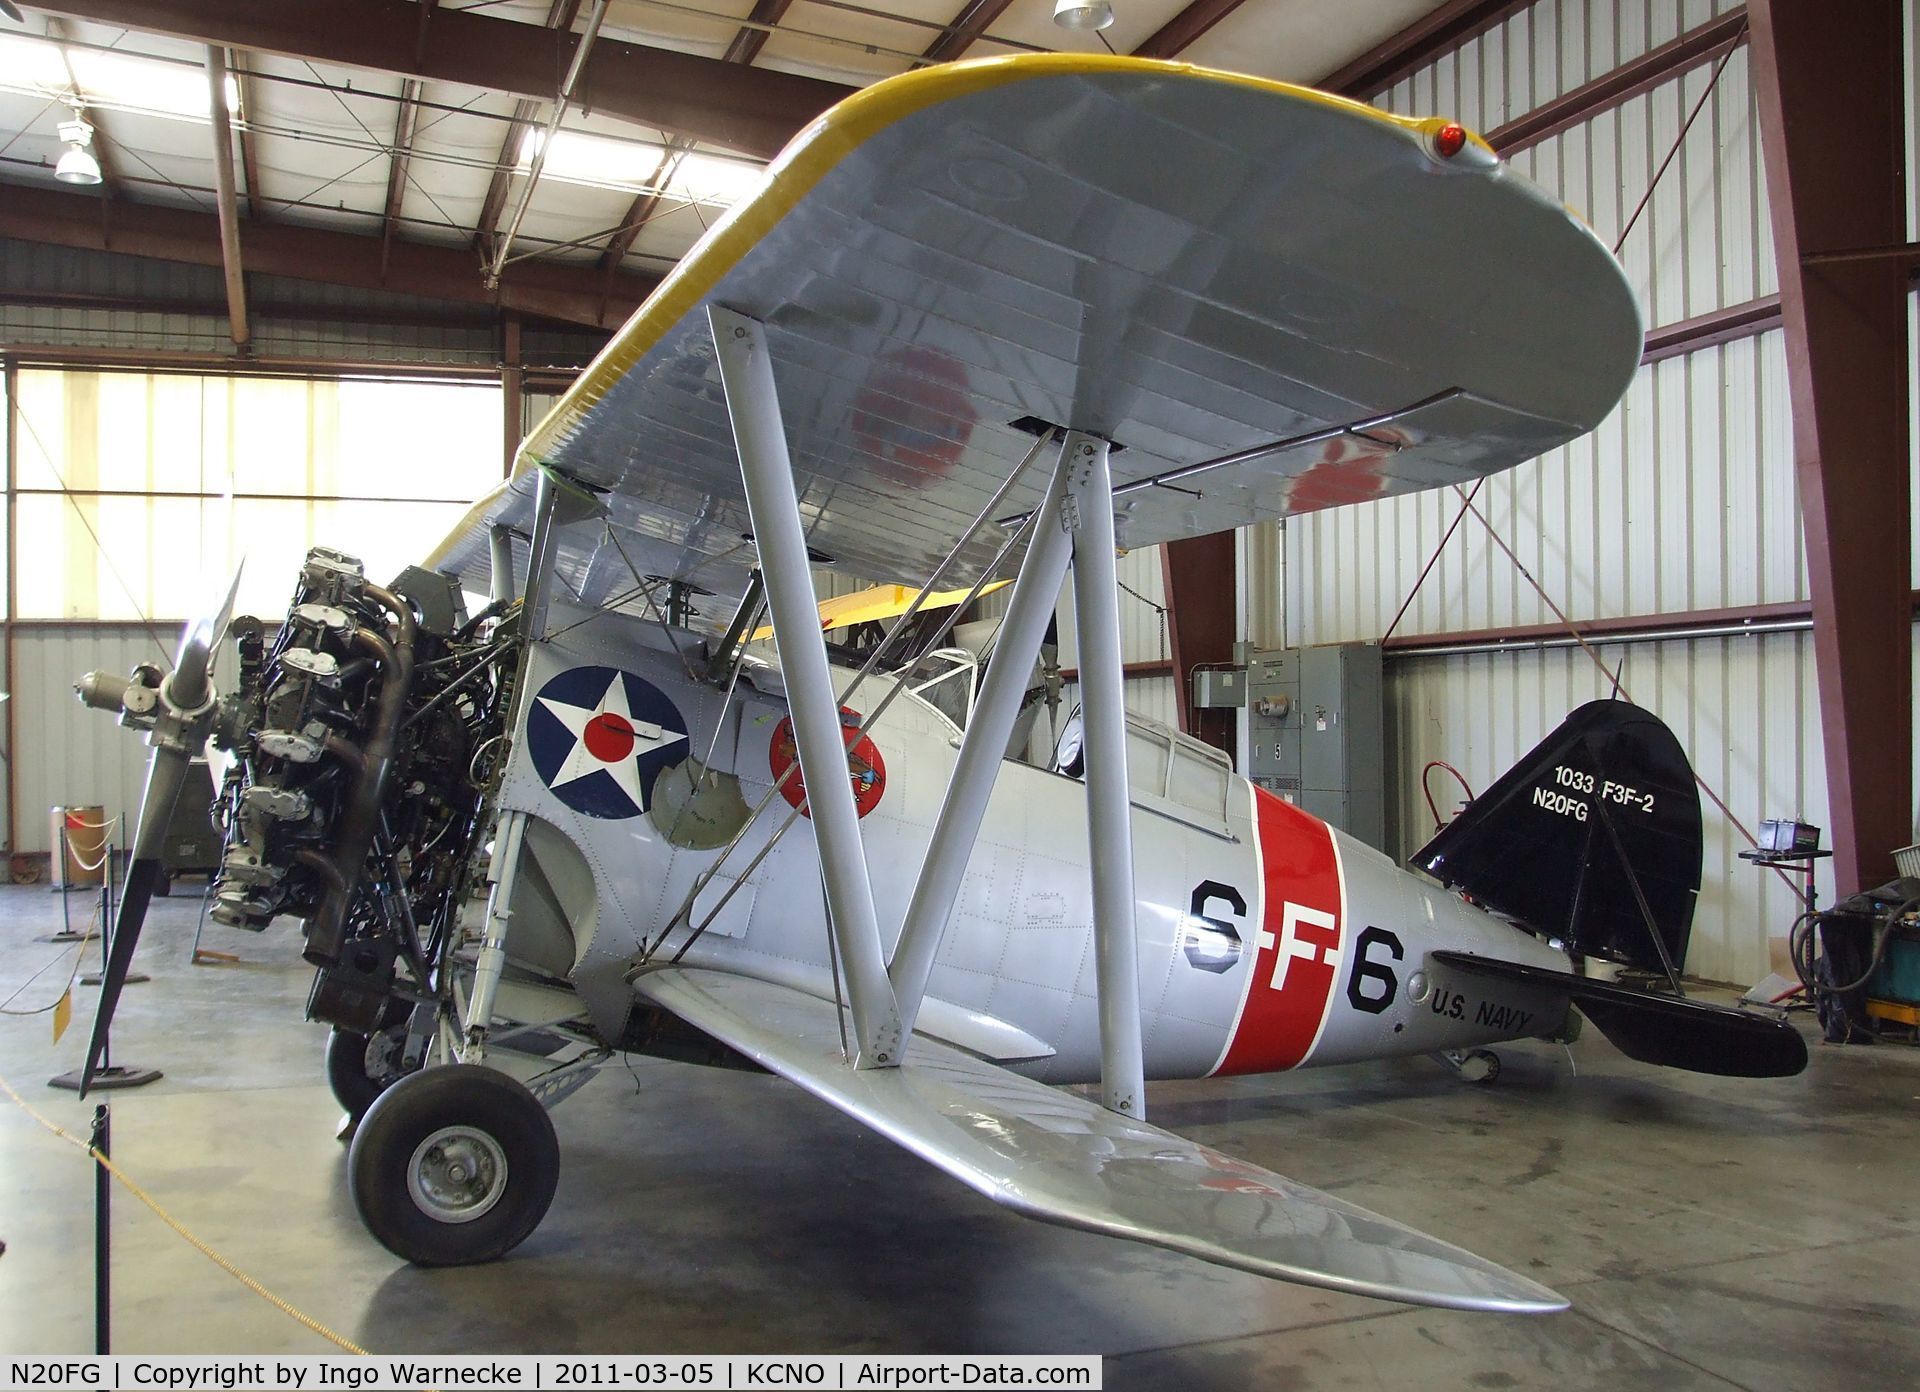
(1096, 615)
(1075, 524)
(766, 473)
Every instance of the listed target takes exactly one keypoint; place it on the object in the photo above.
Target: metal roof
(392, 147)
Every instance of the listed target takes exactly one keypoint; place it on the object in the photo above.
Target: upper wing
(1058, 1156)
(1190, 263)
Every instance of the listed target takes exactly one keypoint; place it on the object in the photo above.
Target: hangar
(1358, 556)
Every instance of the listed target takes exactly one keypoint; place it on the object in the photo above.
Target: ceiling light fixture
(1082, 14)
(77, 163)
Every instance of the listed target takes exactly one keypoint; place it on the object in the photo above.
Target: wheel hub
(457, 1174)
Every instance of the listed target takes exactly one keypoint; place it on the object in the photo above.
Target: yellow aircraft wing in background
(879, 602)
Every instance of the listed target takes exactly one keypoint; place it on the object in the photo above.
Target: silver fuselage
(1267, 940)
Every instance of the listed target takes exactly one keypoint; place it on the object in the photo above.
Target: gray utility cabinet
(1317, 729)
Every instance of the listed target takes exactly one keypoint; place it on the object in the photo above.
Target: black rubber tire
(405, 1115)
(353, 1087)
(347, 1074)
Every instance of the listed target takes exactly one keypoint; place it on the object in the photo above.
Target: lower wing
(1054, 1155)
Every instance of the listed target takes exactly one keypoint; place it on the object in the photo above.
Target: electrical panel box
(1216, 688)
(1317, 726)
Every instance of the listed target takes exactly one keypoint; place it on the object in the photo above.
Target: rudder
(1593, 838)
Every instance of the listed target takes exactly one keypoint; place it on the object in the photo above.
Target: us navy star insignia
(599, 720)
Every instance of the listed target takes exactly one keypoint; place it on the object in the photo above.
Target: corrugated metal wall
(66, 754)
(1683, 499)
(30, 267)
(421, 331)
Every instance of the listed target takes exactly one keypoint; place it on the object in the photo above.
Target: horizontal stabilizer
(1664, 1030)
(1058, 1156)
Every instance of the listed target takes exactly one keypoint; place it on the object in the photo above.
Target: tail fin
(1593, 838)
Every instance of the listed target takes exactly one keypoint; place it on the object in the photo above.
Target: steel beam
(582, 53)
(1698, 45)
(1197, 573)
(766, 473)
(1829, 91)
(1744, 320)
(525, 112)
(1088, 510)
(755, 112)
(1433, 35)
(643, 207)
(405, 118)
(228, 204)
(571, 294)
(753, 35)
(967, 26)
(1172, 38)
(746, 46)
(257, 308)
(513, 381)
(249, 157)
(560, 17)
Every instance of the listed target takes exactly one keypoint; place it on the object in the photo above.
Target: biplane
(983, 321)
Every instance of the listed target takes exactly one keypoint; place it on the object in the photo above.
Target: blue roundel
(599, 737)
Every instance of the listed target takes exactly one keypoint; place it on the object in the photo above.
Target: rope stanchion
(98, 1147)
(106, 850)
(105, 1163)
(66, 933)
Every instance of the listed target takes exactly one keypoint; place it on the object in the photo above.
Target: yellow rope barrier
(201, 1247)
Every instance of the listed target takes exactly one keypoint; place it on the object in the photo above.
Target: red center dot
(609, 738)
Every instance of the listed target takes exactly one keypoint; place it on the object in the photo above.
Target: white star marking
(581, 761)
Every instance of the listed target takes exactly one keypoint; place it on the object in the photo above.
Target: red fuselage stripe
(1301, 941)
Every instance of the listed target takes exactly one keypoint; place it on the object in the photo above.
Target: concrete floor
(1711, 1233)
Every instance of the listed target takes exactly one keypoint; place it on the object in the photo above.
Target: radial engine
(364, 735)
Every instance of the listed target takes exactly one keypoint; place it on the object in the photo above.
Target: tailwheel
(453, 1165)
(1480, 1066)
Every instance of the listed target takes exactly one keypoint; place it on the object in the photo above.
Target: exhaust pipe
(327, 930)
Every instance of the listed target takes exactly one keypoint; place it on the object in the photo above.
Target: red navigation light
(1450, 140)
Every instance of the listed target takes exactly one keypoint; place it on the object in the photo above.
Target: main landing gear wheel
(453, 1165)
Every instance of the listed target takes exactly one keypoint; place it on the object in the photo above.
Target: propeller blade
(223, 620)
(187, 686)
(166, 775)
(12, 11)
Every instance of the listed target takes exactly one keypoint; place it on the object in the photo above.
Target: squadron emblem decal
(599, 737)
(865, 767)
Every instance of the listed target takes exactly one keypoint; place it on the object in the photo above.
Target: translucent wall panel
(1745, 709)
(140, 493)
